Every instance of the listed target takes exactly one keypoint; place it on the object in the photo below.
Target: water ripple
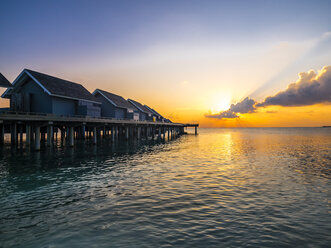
(222, 188)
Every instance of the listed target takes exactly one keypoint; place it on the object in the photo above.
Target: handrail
(78, 116)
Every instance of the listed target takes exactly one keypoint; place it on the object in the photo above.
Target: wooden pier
(47, 127)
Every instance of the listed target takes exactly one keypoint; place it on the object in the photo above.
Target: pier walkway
(33, 127)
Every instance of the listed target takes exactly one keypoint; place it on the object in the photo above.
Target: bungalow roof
(4, 82)
(116, 100)
(55, 86)
(141, 107)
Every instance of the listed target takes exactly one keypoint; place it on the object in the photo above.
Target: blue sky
(69, 28)
(218, 52)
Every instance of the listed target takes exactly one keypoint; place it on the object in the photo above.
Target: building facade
(115, 106)
(40, 93)
(144, 113)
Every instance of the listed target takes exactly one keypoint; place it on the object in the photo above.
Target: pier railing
(35, 125)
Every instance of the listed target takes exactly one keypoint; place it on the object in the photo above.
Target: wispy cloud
(271, 112)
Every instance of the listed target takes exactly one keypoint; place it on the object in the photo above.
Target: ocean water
(263, 187)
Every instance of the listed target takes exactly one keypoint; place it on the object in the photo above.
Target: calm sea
(263, 187)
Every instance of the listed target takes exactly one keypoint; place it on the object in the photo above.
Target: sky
(192, 61)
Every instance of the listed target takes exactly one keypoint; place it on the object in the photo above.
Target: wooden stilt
(37, 139)
(27, 135)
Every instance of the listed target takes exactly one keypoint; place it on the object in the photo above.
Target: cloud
(222, 115)
(311, 88)
(311, 51)
(245, 106)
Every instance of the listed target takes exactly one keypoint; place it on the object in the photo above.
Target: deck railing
(72, 116)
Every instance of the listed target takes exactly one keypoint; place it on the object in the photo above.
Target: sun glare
(224, 104)
(221, 102)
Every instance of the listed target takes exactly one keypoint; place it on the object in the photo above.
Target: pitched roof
(56, 86)
(61, 87)
(4, 82)
(116, 100)
(141, 107)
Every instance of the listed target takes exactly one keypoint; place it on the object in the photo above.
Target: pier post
(168, 133)
(112, 134)
(83, 131)
(13, 131)
(28, 135)
(126, 132)
(71, 136)
(159, 136)
(116, 132)
(67, 133)
(94, 135)
(52, 133)
(120, 132)
(32, 131)
(37, 139)
(57, 130)
(49, 135)
(42, 134)
(153, 132)
(62, 134)
(132, 133)
(196, 130)
(21, 133)
(2, 133)
(139, 133)
(98, 132)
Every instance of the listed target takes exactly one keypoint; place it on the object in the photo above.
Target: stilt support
(27, 135)
(71, 137)
(94, 135)
(37, 139)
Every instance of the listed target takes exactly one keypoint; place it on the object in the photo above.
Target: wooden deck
(35, 126)
(38, 117)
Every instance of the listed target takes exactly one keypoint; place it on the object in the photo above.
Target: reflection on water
(222, 188)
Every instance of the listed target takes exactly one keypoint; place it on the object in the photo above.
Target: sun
(220, 102)
(223, 104)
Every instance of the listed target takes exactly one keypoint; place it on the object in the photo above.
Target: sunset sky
(190, 60)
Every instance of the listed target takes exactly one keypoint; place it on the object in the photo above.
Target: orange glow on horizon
(188, 103)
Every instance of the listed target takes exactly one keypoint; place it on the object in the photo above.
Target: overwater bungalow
(4, 82)
(115, 106)
(40, 93)
(144, 113)
(156, 115)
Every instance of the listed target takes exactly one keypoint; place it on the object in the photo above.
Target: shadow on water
(22, 169)
(24, 160)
